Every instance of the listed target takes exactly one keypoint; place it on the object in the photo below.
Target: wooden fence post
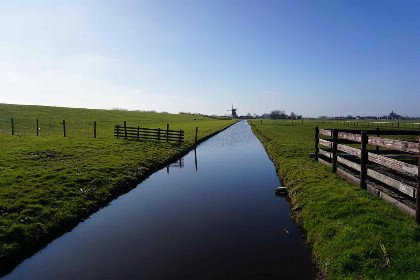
(418, 189)
(64, 128)
(316, 142)
(167, 132)
(334, 151)
(13, 127)
(125, 129)
(94, 129)
(363, 160)
(196, 132)
(159, 134)
(138, 132)
(37, 127)
(377, 135)
(118, 131)
(180, 133)
(398, 125)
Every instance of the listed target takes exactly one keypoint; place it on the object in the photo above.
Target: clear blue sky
(311, 57)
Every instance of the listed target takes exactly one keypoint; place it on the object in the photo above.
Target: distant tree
(265, 116)
(255, 116)
(249, 116)
(275, 114)
(278, 114)
(293, 116)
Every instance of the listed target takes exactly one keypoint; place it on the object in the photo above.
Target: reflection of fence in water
(177, 164)
(180, 163)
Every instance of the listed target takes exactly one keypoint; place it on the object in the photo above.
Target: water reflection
(179, 163)
(195, 156)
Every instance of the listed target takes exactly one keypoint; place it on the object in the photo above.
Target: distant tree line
(274, 115)
(390, 116)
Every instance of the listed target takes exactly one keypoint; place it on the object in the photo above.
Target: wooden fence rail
(142, 133)
(394, 165)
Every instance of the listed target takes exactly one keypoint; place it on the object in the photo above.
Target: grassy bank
(80, 122)
(346, 226)
(50, 183)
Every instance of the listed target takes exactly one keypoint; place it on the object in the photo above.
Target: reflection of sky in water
(236, 136)
(220, 222)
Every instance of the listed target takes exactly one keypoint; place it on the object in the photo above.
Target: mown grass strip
(353, 234)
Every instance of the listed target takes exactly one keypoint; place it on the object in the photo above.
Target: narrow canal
(211, 215)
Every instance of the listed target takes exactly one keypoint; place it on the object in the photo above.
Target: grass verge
(49, 184)
(353, 234)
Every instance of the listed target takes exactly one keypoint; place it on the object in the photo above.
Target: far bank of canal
(211, 215)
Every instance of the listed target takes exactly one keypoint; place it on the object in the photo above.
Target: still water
(211, 215)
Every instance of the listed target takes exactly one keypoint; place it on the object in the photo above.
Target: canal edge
(317, 270)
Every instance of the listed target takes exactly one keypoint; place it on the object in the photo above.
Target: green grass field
(50, 183)
(79, 122)
(345, 226)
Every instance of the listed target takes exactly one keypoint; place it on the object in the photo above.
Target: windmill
(234, 115)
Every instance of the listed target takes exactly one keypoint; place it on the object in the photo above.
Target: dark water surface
(221, 221)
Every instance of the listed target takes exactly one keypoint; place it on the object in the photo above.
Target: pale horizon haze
(313, 58)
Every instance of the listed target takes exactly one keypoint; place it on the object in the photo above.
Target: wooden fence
(382, 124)
(389, 173)
(141, 133)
